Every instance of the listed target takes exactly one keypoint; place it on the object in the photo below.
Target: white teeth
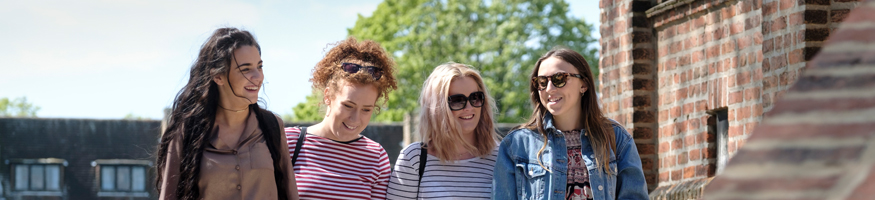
(349, 127)
(251, 88)
(555, 99)
(468, 117)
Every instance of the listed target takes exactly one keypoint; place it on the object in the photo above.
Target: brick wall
(709, 58)
(794, 32)
(669, 66)
(628, 84)
(817, 141)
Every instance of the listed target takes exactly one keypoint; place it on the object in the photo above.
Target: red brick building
(819, 140)
(691, 79)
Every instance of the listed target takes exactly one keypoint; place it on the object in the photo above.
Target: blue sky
(105, 59)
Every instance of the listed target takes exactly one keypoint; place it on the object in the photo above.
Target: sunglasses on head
(460, 101)
(558, 79)
(353, 68)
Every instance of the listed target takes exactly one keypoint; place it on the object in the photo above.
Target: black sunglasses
(460, 101)
(558, 79)
(353, 68)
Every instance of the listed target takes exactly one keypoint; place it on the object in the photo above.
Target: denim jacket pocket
(534, 181)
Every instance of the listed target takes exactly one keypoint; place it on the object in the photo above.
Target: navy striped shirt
(461, 179)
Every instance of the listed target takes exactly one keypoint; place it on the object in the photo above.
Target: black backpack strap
(299, 144)
(423, 157)
(271, 131)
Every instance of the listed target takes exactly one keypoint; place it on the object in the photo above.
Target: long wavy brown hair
(595, 123)
(193, 113)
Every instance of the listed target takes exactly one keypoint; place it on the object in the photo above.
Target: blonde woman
(457, 155)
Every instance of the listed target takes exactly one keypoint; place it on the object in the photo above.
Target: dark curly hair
(327, 73)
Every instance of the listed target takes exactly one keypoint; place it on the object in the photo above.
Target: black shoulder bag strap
(423, 157)
(299, 144)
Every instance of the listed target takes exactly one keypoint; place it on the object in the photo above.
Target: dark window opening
(718, 137)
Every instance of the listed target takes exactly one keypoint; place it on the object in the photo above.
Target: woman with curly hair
(219, 144)
(331, 159)
(457, 155)
(568, 149)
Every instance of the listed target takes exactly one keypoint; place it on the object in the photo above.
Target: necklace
(241, 110)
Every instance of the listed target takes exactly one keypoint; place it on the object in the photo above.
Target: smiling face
(350, 110)
(240, 86)
(563, 101)
(469, 116)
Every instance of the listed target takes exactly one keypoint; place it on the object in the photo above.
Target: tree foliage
(501, 38)
(132, 116)
(308, 111)
(18, 107)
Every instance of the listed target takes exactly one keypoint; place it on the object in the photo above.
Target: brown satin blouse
(245, 172)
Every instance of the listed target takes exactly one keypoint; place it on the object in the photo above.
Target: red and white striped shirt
(328, 169)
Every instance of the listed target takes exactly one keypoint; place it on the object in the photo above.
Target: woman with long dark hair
(568, 149)
(219, 144)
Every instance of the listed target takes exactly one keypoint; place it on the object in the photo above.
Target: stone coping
(672, 10)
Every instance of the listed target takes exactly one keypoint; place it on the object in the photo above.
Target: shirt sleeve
(404, 181)
(378, 189)
(171, 170)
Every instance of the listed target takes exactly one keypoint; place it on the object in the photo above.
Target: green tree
(501, 38)
(308, 111)
(18, 107)
(132, 116)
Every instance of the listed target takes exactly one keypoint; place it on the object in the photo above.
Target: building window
(122, 177)
(718, 125)
(37, 177)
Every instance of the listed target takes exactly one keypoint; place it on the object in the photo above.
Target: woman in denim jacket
(567, 149)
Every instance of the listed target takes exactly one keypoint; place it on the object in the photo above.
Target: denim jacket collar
(549, 127)
(548, 123)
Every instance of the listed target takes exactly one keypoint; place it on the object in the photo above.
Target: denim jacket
(517, 174)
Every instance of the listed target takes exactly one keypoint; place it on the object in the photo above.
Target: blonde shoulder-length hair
(437, 126)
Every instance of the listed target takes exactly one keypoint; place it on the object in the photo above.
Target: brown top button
(238, 187)
(234, 151)
(237, 167)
